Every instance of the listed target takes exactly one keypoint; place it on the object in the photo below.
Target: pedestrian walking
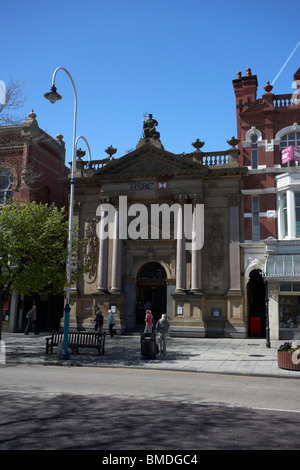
(111, 323)
(98, 320)
(162, 328)
(31, 316)
(148, 321)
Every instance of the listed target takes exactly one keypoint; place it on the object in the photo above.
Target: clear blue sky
(175, 59)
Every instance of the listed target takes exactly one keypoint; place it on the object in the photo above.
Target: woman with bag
(148, 321)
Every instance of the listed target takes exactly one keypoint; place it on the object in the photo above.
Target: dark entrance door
(256, 305)
(151, 292)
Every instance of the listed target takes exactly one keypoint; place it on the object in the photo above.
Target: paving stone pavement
(211, 355)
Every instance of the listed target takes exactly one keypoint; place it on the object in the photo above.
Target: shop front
(283, 275)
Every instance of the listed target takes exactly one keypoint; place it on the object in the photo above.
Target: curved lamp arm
(55, 98)
(90, 155)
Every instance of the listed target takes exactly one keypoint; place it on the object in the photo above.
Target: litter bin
(148, 345)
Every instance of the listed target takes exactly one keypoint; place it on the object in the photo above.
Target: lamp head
(52, 95)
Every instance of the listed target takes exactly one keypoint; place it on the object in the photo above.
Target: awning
(283, 265)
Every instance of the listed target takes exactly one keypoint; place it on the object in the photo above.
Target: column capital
(180, 198)
(196, 198)
(234, 199)
(104, 199)
(114, 201)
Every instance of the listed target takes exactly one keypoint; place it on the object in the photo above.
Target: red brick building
(31, 166)
(271, 195)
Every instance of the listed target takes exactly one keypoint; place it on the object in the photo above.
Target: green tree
(34, 251)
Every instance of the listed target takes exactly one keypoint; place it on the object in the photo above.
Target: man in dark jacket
(98, 320)
(32, 321)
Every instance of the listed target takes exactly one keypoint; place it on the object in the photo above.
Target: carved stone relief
(91, 247)
(216, 247)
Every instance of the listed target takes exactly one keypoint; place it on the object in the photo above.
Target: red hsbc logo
(163, 185)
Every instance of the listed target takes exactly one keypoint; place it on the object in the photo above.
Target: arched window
(291, 138)
(287, 136)
(254, 154)
(152, 271)
(253, 141)
(6, 182)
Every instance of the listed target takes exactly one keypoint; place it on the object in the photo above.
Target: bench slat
(77, 339)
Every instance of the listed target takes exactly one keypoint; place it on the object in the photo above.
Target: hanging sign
(290, 153)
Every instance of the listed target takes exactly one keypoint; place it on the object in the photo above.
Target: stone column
(291, 211)
(196, 259)
(235, 325)
(103, 255)
(234, 243)
(116, 276)
(180, 249)
(280, 216)
(274, 309)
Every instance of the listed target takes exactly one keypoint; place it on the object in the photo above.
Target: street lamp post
(53, 96)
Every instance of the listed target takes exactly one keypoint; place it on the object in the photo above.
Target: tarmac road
(114, 409)
(206, 394)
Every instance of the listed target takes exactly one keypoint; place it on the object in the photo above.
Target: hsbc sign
(148, 186)
(141, 186)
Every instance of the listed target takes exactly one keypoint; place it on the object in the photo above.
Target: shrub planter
(285, 360)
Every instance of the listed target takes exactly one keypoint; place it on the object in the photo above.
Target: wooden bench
(76, 340)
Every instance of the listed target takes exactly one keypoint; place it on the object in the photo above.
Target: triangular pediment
(257, 107)
(149, 160)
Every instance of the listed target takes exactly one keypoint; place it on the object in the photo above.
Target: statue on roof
(149, 129)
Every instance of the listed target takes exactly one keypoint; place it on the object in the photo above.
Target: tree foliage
(33, 249)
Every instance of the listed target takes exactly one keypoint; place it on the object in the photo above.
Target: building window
(6, 182)
(284, 265)
(254, 151)
(297, 210)
(292, 138)
(290, 213)
(255, 219)
(289, 307)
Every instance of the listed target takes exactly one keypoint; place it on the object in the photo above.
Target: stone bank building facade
(200, 290)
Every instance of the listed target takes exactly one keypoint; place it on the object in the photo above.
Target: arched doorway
(256, 304)
(151, 292)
